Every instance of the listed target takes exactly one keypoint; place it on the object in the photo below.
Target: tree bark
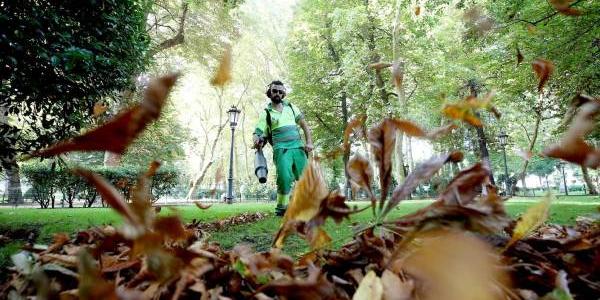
(588, 181)
(481, 139)
(536, 129)
(13, 184)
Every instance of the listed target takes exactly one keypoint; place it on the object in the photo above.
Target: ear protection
(268, 93)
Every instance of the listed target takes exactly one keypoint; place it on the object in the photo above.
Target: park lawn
(564, 210)
(46, 222)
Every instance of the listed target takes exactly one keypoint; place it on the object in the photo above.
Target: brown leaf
(519, 56)
(356, 122)
(440, 132)
(360, 172)
(417, 10)
(91, 284)
(370, 288)
(99, 108)
(543, 69)
(309, 192)
(110, 195)
(394, 288)
(465, 186)
(465, 110)
(171, 227)
(382, 139)
(379, 65)
(564, 7)
(422, 172)
(201, 205)
(572, 147)
(438, 256)
(223, 73)
(116, 135)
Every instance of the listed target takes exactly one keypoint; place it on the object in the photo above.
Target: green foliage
(59, 58)
(47, 179)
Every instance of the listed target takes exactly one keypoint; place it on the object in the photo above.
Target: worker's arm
(307, 134)
(258, 138)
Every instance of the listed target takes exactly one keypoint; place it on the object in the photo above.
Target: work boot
(280, 210)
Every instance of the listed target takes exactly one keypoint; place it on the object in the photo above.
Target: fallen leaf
(438, 256)
(382, 139)
(201, 205)
(355, 123)
(116, 135)
(370, 288)
(572, 146)
(465, 110)
(308, 194)
(110, 195)
(565, 7)
(360, 173)
(422, 172)
(379, 65)
(543, 69)
(91, 284)
(465, 186)
(223, 73)
(99, 108)
(394, 288)
(533, 218)
(417, 10)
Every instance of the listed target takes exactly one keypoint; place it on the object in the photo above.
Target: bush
(46, 180)
(42, 178)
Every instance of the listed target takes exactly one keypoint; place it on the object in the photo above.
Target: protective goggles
(277, 90)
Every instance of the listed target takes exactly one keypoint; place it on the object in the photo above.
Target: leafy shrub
(42, 178)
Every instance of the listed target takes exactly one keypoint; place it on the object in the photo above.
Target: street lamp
(503, 139)
(234, 113)
(561, 167)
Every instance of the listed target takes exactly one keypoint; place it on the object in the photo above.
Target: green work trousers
(289, 164)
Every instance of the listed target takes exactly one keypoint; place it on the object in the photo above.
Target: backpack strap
(269, 124)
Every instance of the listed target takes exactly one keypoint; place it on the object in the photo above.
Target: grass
(564, 210)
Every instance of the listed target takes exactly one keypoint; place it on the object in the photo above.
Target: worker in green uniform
(278, 125)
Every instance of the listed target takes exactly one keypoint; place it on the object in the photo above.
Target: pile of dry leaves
(463, 246)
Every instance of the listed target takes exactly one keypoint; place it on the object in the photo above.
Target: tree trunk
(346, 157)
(481, 139)
(588, 181)
(13, 184)
(536, 129)
(198, 180)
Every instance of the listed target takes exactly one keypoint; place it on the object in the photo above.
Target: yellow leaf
(223, 73)
(309, 192)
(531, 220)
(319, 238)
(370, 288)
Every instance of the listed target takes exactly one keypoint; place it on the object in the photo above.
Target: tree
(58, 59)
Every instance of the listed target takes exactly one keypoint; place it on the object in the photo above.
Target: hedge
(47, 180)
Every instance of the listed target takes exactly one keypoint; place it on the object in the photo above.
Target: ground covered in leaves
(462, 246)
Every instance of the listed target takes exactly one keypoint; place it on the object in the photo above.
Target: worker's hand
(309, 147)
(258, 142)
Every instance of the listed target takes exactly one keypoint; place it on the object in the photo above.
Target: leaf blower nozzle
(260, 166)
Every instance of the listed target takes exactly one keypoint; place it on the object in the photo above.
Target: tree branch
(177, 39)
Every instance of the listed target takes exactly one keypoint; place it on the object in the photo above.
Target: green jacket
(284, 126)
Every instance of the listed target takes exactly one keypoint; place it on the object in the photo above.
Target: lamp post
(561, 167)
(234, 113)
(503, 139)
